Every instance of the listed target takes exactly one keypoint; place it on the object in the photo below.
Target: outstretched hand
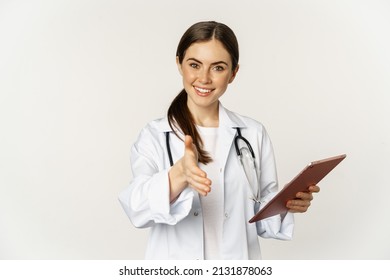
(302, 200)
(185, 172)
(194, 176)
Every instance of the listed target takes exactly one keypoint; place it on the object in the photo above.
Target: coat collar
(228, 118)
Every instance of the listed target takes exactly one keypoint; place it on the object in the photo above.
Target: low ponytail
(180, 117)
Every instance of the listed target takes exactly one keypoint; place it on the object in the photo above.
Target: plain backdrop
(79, 79)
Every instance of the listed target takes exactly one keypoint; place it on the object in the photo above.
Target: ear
(179, 66)
(234, 74)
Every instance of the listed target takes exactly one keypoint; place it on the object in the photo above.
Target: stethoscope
(245, 155)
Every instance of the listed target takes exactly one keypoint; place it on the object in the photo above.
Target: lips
(203, 91)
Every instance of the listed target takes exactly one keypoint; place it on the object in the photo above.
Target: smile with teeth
(203, 90)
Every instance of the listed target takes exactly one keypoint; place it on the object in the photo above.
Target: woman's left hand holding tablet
(302, 201)
(186, 172)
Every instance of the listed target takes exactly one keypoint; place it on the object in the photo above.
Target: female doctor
(189, 186)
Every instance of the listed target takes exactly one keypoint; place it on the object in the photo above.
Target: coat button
(226, 215)
(196, 213)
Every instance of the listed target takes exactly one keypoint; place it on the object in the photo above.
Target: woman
(189, 186)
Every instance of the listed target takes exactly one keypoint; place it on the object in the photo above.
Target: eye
(219, 68)
(194, 65)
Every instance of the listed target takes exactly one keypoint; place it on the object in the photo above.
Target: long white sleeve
(146, 199)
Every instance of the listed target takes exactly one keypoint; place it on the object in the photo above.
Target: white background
(79, 79)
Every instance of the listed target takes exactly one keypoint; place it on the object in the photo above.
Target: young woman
(189, 185)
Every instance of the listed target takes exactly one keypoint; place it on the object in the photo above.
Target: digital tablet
(312, 174)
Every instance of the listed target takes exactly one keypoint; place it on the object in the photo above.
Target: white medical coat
(176, 230)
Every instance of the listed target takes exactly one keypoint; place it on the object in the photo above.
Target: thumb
(189, 147)
(188, 142)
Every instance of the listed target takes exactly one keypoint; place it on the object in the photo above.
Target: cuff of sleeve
(287, 225)
(275, 227)
(162, 210)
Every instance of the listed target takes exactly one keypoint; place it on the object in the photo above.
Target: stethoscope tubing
(238, 151)
(236, 139)
(240, 137)
(168, 148)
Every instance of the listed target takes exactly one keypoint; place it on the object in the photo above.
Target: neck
(206, 116)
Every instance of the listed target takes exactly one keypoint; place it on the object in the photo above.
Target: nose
(204, 76)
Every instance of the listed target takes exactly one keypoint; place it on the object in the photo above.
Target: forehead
(208, 51)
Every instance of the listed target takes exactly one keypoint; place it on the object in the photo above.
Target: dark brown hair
(178, 113)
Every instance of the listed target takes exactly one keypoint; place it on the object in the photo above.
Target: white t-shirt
(212, 204)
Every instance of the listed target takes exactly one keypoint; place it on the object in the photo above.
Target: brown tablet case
(312, 174)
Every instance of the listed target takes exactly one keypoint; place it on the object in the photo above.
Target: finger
(305, 196)
(194, 170)
(298, 209)
(201, 187)
(297, 205)
(314, 189)
(198, 179)
(202, 191)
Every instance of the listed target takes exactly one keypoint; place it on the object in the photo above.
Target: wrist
(177, 180)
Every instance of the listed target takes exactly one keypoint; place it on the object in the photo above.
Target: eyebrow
(214, 63)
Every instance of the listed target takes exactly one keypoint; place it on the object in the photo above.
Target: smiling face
(207, 70)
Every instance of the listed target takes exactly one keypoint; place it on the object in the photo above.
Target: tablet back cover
(310, 175)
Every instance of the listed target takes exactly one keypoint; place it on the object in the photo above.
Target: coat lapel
(228, 122)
